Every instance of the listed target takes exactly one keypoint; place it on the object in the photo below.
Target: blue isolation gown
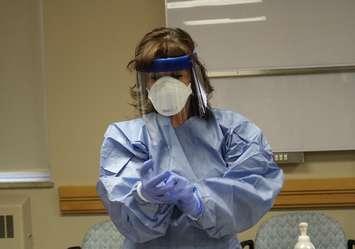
(228, 160)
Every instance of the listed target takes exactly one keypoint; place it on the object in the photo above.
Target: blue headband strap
(169, 64)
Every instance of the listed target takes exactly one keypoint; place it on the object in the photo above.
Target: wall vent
(6, 226)
(2, 227)
(15, 222)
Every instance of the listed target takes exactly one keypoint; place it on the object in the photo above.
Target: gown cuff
(139, 192)
(200, 207)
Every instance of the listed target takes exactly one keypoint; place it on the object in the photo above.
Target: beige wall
(88, 44)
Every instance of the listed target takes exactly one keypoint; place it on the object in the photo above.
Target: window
(23, 128)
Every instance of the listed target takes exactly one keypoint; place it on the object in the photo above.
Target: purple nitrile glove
(184, 194)
(154, 188)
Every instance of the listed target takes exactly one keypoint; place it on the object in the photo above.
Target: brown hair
(161, 43)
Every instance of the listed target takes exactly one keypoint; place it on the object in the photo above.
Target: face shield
(167, 83)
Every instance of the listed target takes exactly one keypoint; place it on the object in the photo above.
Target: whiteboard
(296, 113)
(311, 112)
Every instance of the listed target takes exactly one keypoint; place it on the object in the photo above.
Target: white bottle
(304, 241)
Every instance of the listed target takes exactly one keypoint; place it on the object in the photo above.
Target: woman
(184, 175)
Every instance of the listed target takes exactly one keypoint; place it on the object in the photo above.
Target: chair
(248, 243)
(103, 235)
(282, 232)
(351, 244)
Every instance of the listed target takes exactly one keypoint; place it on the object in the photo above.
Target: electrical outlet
(288, 157)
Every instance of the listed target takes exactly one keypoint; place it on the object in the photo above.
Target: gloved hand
(154, 188)
(184, 194)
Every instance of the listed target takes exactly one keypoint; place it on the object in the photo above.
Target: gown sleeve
(237, 200)
(123, 152)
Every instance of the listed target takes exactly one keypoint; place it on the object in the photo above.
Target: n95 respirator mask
(169, 95)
